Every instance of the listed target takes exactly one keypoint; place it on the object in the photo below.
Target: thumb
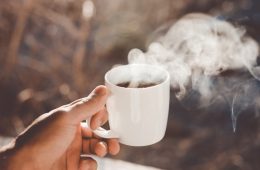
(88, 106)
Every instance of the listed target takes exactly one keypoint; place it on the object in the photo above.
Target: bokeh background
(55, 51)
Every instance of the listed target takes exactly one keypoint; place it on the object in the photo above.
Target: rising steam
(197, 51)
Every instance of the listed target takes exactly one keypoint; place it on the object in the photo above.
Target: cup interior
(136, 74)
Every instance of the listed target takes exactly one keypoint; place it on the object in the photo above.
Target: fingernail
(101, 149)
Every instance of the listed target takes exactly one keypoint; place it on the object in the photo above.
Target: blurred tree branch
(20, 25)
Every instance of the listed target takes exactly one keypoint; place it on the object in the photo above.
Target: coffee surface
(140, 85)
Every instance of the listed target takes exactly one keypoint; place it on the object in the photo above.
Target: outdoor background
(55, 51)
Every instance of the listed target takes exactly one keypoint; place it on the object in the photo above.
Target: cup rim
(136, 88)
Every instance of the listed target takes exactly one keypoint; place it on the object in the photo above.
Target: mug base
(140, 144)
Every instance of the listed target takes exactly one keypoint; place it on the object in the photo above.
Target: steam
(133, 76)
(197, 51)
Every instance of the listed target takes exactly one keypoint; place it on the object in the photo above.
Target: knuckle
(82, 102)
(60, 114)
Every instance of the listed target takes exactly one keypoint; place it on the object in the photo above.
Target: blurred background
(55, 51)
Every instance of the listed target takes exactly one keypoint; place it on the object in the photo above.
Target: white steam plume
(196, 45)
(197, 48)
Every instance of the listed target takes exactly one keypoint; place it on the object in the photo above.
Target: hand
(57, 139)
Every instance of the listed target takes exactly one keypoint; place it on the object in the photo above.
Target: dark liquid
(140, 85)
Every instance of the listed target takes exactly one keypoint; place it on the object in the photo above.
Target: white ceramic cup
(137, 116)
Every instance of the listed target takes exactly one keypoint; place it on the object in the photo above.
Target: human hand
(57, 139)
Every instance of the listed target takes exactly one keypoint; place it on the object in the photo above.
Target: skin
(59, 141)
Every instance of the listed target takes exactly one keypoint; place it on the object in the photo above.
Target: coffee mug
(137, 116)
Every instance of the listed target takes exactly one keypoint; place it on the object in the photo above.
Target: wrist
(13, 158)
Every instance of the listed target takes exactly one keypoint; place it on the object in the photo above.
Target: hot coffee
(140, 85)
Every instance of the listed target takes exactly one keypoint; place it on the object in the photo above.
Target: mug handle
(103, 133)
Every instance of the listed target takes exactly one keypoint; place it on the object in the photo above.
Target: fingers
(86, 107)
(99, 119)
(113, 146)
(99, 147)
(94, 146)
(87, 163)
(91, 144)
